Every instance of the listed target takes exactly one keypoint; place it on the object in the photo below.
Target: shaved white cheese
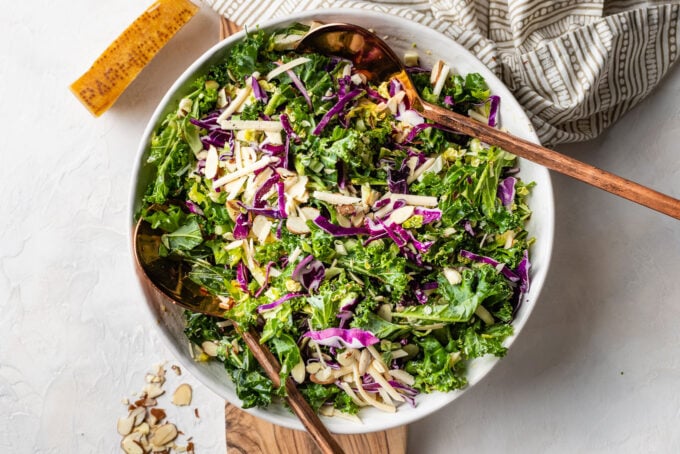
(274, 137)
(410, 116)
(441, 80)
(254, 125)
(436, 71)
(242, 95)
(358, 79)
(420, 170)
(285, 67)
(411, 199)
(264, 162)
(411, 58)
(234, 188)
(393, 102)
(335, 199)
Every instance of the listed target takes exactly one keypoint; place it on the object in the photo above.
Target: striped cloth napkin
(575, 66)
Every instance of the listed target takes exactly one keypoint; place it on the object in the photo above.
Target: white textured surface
(596, 369)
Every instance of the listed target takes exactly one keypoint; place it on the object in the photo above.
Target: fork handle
(553, 160)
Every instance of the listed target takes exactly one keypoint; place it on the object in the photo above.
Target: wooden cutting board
(248, 434)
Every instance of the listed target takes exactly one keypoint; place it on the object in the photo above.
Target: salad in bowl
(378, 254)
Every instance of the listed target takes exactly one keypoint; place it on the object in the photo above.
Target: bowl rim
(547, 227)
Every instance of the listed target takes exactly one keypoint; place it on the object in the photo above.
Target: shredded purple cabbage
(396, 180)
(523, 272)
(310, 272)
(262, 190)
(336, 109)
(336, 230)
(242, 276)
(495, 101)
(301, 87)
(258, 92)
(506, 191)
(194, 208)
(242, 226)
(505, 271)
(278, 302)
(429, 215)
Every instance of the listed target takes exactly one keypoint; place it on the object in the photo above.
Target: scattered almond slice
(125, 425)
(163, 435)
(182, 395)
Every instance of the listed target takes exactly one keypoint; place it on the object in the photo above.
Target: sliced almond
(323, 377)
(156, 415)
(344, 370)
(131, 445)
(385, 312)
(399, 353)
(211, 162)
(453, 276)
(182, 395)
(298, 189)
(262, 228)
(378, 365)
(348, 357)
(297, 225)
(210, 348)
(364, 361)
(152, 390)
(313, 368)
(138, 414)
(400, 215)
(298, 372)
(163, 435)
(143, 428)
(310, 213)
(125, 425)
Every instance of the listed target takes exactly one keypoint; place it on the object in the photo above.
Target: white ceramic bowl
(401, 34)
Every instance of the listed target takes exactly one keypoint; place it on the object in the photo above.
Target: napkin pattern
(575, 66)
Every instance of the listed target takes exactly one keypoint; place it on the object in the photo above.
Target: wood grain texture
(553, 160)
(250, 435)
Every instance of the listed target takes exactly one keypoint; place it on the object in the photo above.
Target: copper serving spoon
(169, 277)
(374, 58)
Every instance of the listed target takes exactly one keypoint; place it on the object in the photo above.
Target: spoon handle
(318, 431)
(555, 161)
